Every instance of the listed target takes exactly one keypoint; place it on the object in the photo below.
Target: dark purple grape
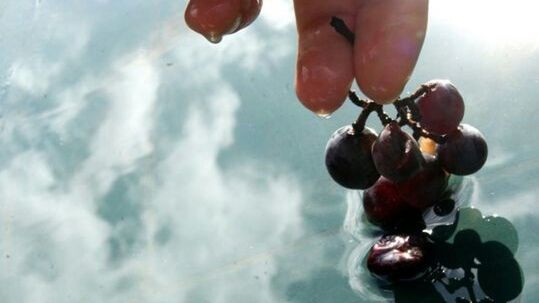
(441, 108)
(399, 257)
(464, 152)
(396, 154)
(385, 208)
(349, 159)
(424, 188)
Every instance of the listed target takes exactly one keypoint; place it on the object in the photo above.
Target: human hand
(389, 35)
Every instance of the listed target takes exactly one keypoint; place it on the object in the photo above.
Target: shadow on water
(472, 260)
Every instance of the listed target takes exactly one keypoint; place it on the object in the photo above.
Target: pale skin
(389, 35)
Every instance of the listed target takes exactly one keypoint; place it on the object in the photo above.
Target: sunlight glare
(498, 23)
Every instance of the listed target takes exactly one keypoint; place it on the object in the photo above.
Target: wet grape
(464, 152)
(425, 187)
(396, 154)
(399, 257)
(349, 160)
(441, 107)
(384, 207)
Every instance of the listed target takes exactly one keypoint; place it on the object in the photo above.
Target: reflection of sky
(141, 164)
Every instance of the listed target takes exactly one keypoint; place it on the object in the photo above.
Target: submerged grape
(384, 207)
(424, 188)
(399, 257)
(349, 160)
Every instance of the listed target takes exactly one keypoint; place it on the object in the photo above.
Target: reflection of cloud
(187, 229)
(517, 33)
(279, 14)
(518, 207)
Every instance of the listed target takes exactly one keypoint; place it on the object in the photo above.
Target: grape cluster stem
(407, 111)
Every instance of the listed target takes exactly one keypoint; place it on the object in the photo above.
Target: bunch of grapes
(403, 175)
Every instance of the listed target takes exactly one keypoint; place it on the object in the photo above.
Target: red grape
(399, 257)
(396, 154)
(464, 152)
(384, 207)
(349, 160)
(424, 188)
(441, 107)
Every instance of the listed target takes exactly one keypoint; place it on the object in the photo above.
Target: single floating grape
(441, 107)
(424, 188)
(399, 257)
(464, 152)
(349, 160)
(396, 154)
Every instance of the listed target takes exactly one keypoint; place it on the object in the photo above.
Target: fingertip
(386, 51)
(213, 18)
(324, 70)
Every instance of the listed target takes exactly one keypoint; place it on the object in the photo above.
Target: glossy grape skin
(215, 18)
(396, 154)
(399, 257)
(349, 160)
(441, 107)
(384, 207)
(424, 188)
(464, 152)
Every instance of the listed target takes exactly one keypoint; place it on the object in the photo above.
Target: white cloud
(278, 14)
(221, 224)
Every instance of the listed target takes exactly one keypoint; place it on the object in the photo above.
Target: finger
(389, 36)
(324, 69)
(250, 9)
(215, 18)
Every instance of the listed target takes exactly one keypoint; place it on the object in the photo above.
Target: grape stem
(341, 28)
(368, 107)
(407, 111)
